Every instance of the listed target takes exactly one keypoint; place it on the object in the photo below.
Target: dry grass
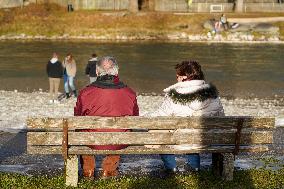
(281, 29)
(53, 20)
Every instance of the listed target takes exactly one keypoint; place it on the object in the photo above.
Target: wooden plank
(45, 122)
(143, 150)
(142, 138)
(217, 164)
(71, 171)
(151, 123)
(228, 166)
(65, 139)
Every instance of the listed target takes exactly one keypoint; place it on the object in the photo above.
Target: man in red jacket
(109, 97)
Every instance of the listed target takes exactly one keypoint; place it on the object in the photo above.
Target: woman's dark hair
(71, 57)
(191, 69)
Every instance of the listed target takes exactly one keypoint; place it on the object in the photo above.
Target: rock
(191, 37)
(124, 37)
(102, 37)
(262, 38)
(65, 35)
(183, 26)
(218, 37)
(183, 35)
(243, 28)
(209, 24)
(203, 37)
(209, 35)
(250, 37)
(2, 37)
(273, 38)
(265, 27)
(40, 37)
(173, 36)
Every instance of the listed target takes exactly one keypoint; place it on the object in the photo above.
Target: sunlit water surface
(238, 70)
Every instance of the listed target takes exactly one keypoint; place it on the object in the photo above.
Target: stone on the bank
(265, 27)
(209, 24)
(183, 35)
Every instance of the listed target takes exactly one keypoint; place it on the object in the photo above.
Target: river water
(238, 70)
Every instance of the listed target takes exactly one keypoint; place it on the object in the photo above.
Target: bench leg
(223, 165)
(71, 171)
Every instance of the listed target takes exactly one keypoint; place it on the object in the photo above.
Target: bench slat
(150, 123)
(142, 150)
(137, 138)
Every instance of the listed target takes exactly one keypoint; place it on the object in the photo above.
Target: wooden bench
(222, 136)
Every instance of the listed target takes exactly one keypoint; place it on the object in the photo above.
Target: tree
(133, 5)
(239, 5)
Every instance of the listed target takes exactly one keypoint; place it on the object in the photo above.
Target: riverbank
(17, 106)
(175, 37)
(52, 22)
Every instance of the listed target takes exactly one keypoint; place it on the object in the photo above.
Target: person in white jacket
(190, 96)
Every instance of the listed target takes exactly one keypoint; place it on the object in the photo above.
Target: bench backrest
(48, 135)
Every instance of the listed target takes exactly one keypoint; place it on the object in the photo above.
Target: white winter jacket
(189, 98)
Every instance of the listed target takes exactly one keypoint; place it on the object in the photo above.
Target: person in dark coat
(108, 97)
(54, 72)
(91, 68)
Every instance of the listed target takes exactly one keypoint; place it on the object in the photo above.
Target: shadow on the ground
(12, 144)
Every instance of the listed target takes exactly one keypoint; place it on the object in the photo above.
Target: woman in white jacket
(190, 96)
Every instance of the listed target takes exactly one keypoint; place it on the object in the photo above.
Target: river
(238, 70)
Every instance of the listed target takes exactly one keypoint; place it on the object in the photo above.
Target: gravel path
(16, 107)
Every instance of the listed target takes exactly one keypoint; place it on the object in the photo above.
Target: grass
(50, 19)
(281, 29)
(261, 178)
(53, 20)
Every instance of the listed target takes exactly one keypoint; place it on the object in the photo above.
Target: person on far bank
(54, 71)
(224, 22)
(91, 68)
(190, 96)
(70, 70)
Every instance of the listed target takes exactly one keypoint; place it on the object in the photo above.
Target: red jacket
(103, 98)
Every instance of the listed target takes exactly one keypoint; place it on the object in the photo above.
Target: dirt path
(256, 20)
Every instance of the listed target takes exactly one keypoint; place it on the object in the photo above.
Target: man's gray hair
(107, 65)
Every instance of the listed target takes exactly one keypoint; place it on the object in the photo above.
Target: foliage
(242, 179)
(281, 29)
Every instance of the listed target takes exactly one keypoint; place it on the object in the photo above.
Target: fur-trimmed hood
(190, 98)
(189, 91)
